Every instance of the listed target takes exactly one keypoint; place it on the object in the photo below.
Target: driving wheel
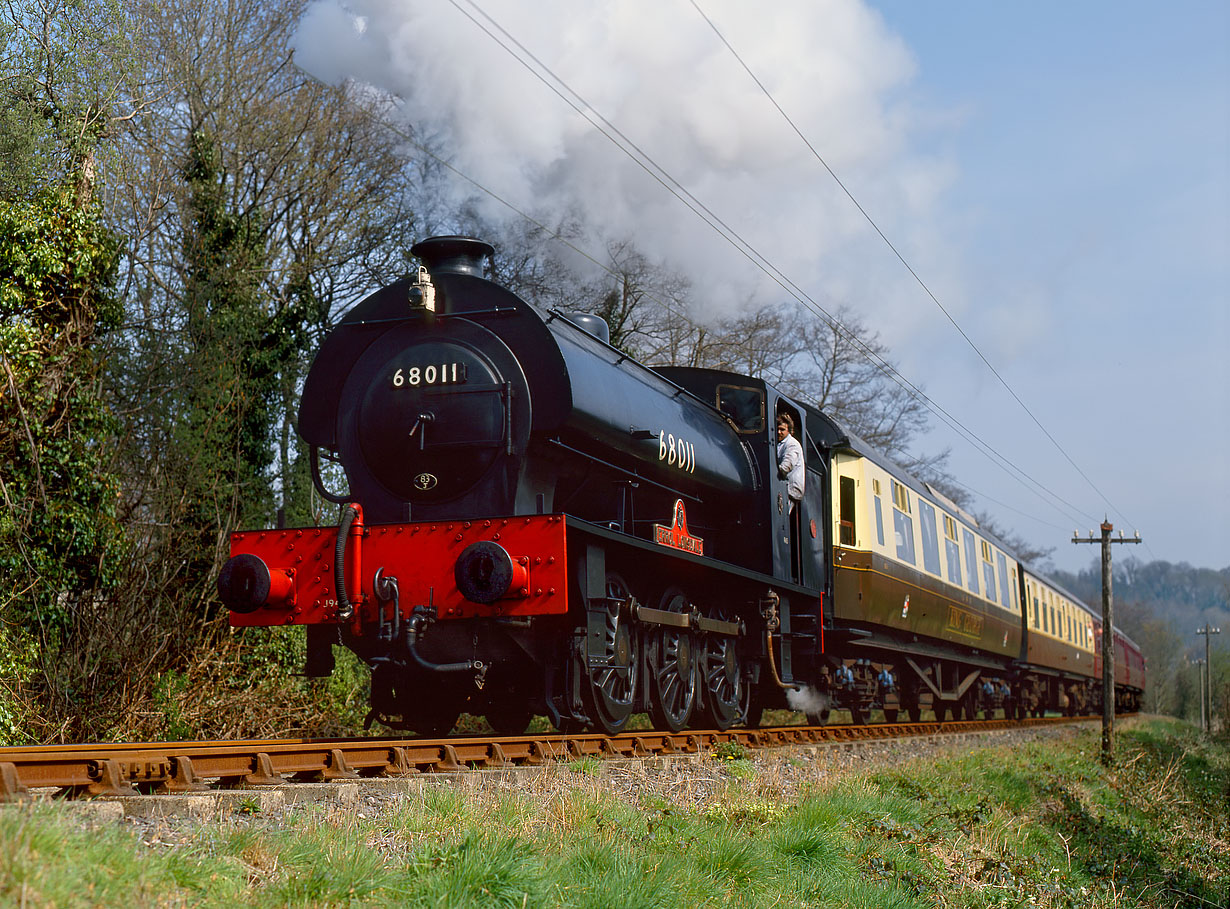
(611, 676)
(727, 694)
(671, 662)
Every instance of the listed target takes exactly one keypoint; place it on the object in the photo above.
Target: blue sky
(1058, 173)
(1091, 142)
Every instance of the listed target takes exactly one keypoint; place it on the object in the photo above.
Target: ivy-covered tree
(61, 546)
(232, 347)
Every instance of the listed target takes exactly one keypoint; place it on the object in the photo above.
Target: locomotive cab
(791, 546)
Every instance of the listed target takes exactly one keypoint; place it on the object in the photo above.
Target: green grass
(1042, 825)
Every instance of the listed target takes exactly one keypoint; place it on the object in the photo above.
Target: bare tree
(64, 87)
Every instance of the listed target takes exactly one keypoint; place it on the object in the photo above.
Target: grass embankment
(1040, 824)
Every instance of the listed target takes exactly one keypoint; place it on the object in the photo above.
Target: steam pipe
(345, 609)
(772, 621)
(414, 628)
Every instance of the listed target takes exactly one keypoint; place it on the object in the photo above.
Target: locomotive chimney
(453, 255)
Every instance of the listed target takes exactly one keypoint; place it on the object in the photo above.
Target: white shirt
(790, 467)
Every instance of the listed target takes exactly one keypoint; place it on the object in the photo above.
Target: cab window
(744, 406)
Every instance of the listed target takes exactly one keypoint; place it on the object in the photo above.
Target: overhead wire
(991, 499)
(914, 274)
(643, 160)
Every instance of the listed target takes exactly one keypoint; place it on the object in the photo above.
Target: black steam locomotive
(537, 524)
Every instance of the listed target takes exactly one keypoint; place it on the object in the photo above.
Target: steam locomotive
(535, 523)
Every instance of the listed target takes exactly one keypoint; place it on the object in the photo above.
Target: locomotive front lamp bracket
(422, 293)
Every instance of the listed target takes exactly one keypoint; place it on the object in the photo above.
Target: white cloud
(660, 74)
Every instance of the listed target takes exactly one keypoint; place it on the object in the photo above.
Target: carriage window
(875, 487)
(952, 550)
(971, 559)
(901, 497)
(847, 511)
(931, 542)
(988, 570)
(744, 406)
(1004, 595)
(903, 524)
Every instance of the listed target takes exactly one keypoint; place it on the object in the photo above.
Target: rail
(121, 769)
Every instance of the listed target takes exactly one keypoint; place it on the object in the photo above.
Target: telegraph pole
(1199, 664)
(1108, 637)
(1208, 672)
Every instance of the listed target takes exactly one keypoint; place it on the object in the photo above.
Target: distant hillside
(1180, 595)
(1160, 605)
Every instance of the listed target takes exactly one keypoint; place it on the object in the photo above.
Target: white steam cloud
(808, 700)
(659, 73)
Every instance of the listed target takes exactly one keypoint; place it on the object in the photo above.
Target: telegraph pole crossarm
(1207, 630)
(1108, 635)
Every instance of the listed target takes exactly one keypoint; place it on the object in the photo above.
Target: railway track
(99, 770)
